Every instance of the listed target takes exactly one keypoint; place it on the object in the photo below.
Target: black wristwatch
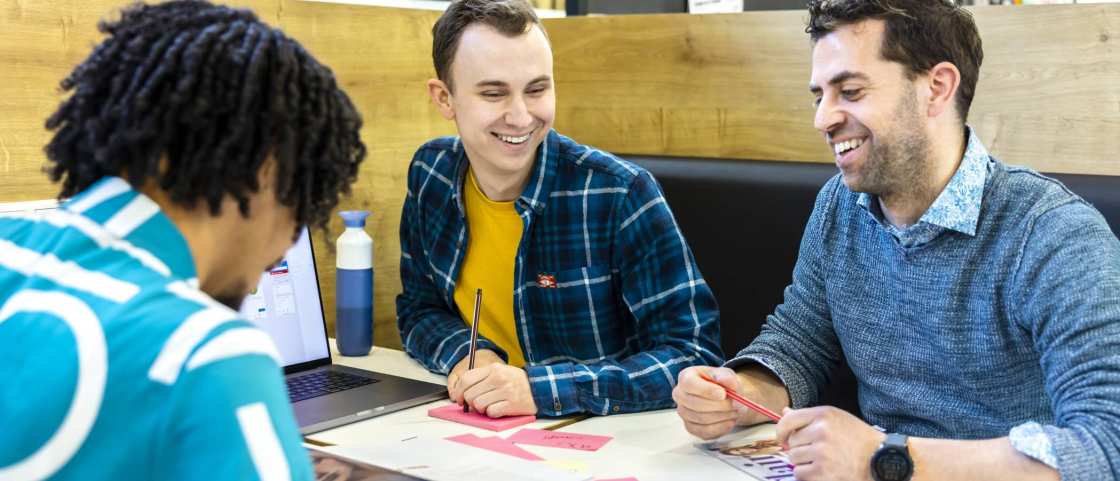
(891, 462)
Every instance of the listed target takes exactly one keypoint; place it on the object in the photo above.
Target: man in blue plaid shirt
(592, 301)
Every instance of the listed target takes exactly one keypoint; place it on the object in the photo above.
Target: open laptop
(287, 305)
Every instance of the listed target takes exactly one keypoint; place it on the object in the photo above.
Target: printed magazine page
(754, 451)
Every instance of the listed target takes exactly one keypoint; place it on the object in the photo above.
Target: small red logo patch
(546, 281)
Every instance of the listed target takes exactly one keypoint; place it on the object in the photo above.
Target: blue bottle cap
(354, 218)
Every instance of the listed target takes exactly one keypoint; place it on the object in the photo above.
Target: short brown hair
(510, 17)
(919, 34)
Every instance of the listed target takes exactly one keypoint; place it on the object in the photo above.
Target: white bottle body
(354, 249)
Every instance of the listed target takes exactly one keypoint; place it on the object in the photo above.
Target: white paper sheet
(442, 460)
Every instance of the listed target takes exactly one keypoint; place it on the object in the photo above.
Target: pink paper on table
(496, 444)
(454, 412)
(618, 479)
(553, 439)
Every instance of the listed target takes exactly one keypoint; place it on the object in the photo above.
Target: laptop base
(391, 394)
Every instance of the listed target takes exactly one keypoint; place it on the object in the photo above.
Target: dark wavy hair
(510, 17)
(213, 91)
(919, 34)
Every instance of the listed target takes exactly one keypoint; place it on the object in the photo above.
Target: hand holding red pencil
(739, 398)
(708, 406)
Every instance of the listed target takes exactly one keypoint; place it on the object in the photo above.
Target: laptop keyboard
(320, 383)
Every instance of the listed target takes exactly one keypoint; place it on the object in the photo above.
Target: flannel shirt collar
(542, 179)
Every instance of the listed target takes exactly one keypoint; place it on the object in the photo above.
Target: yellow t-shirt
(495, 232)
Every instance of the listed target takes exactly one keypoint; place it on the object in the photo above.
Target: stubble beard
(899, 164)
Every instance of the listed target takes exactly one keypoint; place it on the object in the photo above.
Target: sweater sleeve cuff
(554, 389)
(1075, 451)
(801, 395)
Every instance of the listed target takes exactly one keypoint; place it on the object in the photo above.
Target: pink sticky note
(496, 444)
(554, 439)
(454, 412)
(618, 479)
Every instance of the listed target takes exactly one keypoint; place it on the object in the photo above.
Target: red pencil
(758, 408)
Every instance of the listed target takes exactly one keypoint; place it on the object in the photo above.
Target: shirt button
(556, 406)
(616, 409)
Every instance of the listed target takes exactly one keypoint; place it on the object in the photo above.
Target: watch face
(892, 465)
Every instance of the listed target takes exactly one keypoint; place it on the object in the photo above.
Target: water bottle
(354, 286)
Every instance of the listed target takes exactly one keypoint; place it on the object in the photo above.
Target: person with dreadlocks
(195, 144)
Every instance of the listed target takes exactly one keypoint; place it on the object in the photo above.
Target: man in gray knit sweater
(977, 303)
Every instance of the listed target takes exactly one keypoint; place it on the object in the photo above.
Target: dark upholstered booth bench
(744, 221)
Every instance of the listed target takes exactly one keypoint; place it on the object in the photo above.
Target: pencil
(474, 338)
(567, 422)
(758, 408)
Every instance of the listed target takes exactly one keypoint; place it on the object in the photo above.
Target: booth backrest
(744, 221)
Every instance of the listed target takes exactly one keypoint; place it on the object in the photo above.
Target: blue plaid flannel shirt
(629, 309)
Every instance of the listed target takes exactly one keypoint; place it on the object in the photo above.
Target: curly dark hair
(919, 34)
(214, 91)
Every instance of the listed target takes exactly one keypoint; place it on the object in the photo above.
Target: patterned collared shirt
(609, 304)
(957, 208)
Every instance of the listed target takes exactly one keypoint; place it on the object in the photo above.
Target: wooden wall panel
(39, 43)
(381, 56)
(735, 85)
(704, 85)
(1049, 93)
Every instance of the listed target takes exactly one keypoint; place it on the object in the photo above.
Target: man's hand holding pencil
(708, 407)
(483, 382)
(483, 358)
(495, 389)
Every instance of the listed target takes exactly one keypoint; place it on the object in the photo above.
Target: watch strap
(896, 440)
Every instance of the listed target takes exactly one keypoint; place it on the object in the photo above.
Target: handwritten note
(553, 439)
(454, 413)
(496, 444)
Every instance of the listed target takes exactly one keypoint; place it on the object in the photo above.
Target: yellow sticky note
(573, 465)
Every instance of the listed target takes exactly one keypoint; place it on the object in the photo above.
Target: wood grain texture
(381, 57)
(735, 85)
(730, 85)
(1049, 92)
(39, 43)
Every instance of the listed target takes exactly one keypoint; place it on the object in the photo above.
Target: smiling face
(502, 100)
(867, 109)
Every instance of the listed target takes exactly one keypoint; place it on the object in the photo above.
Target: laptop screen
(286, 304)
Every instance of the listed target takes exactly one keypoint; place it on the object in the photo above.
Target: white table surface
(406, 423)
(650, 446)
